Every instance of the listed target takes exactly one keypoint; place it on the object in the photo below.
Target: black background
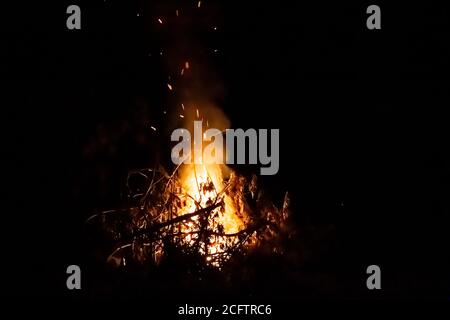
(362, 114)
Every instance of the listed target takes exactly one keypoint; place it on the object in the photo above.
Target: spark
(169, 86)
(186, 64)
(160, 21)
(182, 71)
(199, 4)
(153, 128)
(198, 115)
(181, 116)
(182, 106)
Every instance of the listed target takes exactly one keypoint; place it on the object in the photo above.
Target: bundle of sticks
(154, 218)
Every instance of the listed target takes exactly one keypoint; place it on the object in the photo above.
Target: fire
(204, 183)
(202, 186)
(215, 188)
(203, 209)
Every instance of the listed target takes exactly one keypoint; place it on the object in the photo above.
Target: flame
(203, 185)
(206, 185)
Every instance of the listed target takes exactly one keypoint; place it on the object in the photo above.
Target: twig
(176, 220)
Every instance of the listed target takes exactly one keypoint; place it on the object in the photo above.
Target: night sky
(363, 118)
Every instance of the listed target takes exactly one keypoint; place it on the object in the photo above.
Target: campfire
(203, 209)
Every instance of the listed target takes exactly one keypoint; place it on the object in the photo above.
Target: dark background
(363, 117)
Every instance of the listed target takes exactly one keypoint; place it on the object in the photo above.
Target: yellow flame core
(203, 185)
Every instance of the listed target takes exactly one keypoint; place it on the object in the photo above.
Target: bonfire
(203, 209)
